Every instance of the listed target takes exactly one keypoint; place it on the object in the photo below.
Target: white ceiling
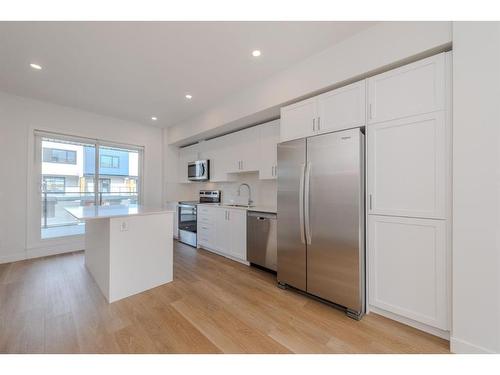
(135, 70)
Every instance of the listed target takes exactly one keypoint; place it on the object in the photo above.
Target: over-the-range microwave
(199, 170)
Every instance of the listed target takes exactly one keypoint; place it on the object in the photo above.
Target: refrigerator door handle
(307, 183)
(301, 202)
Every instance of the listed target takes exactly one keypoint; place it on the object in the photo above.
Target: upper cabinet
(338, 109)
(343, 108)
(407, 162)
(248, 150)
(242, 150)
(410, 90)
(298, 120)
(186, 155)
(269, 138)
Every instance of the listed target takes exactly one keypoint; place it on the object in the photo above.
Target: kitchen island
(128, 249)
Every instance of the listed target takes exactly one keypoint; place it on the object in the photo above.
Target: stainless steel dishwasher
(262, 239)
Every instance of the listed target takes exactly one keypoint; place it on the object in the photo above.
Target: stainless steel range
(187, 215)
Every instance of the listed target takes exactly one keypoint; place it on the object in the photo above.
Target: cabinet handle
(228, 217)
(314, 124)
(319, 124)
(242, 164)
(370, 202)
(370, 112)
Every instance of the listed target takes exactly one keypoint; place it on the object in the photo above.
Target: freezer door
(335, 218)
(291, 237)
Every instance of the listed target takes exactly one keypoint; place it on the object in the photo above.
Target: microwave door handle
(202, 170)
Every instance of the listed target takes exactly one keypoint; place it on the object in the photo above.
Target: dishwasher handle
(261, 215)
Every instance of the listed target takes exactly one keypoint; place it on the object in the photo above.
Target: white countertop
(101, 212)
(252, 208)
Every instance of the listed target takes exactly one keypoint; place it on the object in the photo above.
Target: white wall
(476, 186)
(17, 117)
(367, 52)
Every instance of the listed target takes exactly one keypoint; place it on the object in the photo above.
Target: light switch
(124, 226)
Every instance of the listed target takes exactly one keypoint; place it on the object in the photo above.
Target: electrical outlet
(124, 226)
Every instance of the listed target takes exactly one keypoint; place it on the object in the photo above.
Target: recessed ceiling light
(256, 53)
(154, 118)
(189, 96)
(36, 66)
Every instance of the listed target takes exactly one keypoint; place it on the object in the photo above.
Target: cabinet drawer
(205, 229)
(205, 210)
(205, 219)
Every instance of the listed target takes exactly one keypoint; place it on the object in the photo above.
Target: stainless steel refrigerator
(321, 219)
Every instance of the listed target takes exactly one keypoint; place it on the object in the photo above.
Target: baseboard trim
(43, 252)
(459, 346)
(410, 322)
(223, 255)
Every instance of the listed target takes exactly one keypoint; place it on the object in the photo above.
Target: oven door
(187, 217)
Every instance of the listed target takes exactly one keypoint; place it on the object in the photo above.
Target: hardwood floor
(214, 305)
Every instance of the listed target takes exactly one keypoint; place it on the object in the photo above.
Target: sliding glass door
(82, 172)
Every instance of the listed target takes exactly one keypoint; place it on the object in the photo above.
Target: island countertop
(101, 212)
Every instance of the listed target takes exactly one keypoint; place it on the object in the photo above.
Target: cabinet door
(186, 155)
(269, 138)
(249, 149)
(237, 230)
(222, 236)
(343, 108)
(408, 167)
(412, 89)
(298, 120)
(408, 268)
(216, 151)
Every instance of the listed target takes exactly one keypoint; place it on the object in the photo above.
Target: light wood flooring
(214, 305)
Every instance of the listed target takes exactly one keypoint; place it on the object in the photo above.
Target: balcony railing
(54, 204)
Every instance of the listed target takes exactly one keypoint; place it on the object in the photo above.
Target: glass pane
(118, 176)
(66, 182)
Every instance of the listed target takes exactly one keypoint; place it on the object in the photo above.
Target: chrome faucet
(250, 201)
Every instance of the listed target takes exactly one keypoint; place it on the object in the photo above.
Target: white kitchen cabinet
(408, 268)
(410, 90)
(339, 109)
(408, 167)
(269, 138)
(206, 227)
(243, 149)
(342, 108)
(217, 151)
(223, 230)
(237, 230)
(298, 120)
(186, 155)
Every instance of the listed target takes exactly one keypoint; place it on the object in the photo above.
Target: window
(68, 176)
(54, 155)
(54, 184)
(109, 161)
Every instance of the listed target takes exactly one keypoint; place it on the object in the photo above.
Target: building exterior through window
(68, 174)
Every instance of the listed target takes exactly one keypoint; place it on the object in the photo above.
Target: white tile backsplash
(263, 191)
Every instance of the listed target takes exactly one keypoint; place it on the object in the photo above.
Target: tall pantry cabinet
(408, 193)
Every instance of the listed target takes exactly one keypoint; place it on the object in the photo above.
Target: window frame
(75, 242)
